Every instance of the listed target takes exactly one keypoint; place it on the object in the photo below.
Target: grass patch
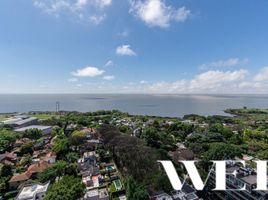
(112, 188)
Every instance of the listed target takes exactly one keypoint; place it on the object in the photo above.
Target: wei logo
(220, 172)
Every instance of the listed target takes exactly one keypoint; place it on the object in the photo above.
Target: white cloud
(108, 78)
(95, 19)
(207, 82)
(157, 13)
(88, 72)
(72, 79)
(215, 79)
(81, 3)
(109, 63)
(262, 75)
(224, 63)
(125, 50)
(103, 3)
(83, 10)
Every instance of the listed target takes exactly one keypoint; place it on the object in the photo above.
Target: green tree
(26, 148)
(61, 146)
(33, 134)
(135, 191)
(221, 151)
(68, 188)
(25, 160)
(61, 168)
(7, 138)
(78, 137)
(72, 157)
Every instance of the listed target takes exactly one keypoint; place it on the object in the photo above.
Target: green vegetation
(68, 188)
(134, 144)
(7, 137)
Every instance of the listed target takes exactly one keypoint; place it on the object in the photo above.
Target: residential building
(31, 172)
(186, 193)
(97, 194)
(33, 192)
(244, 176)
(18, 179)
(8, 158)
(50, 158)
(160, 196)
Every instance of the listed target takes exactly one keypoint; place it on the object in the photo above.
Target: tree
(25, 160)
(7, 138)
(135, 191)
(72, 157)
(5, 170)
(61, 168)
(68, 188)
(78, 137)
(221, 151)
(33, 134)
(26, 148)
(61, 146)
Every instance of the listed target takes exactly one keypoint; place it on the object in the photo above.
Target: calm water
(158, 105)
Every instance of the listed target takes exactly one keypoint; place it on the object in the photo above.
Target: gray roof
(39, 127)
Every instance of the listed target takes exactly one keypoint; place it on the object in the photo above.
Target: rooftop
(39, 127)
(30, 192)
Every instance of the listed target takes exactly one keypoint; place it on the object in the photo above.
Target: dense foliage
(68, 188)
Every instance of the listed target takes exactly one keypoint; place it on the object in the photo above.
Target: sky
(134, 46)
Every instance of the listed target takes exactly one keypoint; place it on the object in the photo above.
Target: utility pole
(57, 107)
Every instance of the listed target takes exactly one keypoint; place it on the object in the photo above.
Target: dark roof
(187, 189)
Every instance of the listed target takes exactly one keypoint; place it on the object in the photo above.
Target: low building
(21, 121)
(50, 158)
(31, 172)
(38, 167)
(33, 192)
(186, 193)
(18, 179)
(8, 158)
(160, 196)
(244, 176)
(45, 129)
(97, 194)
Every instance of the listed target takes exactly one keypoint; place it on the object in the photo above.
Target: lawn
(4, 116)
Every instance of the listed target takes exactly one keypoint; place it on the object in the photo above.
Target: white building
(33, 192)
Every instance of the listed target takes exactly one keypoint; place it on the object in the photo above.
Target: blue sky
(133, 46)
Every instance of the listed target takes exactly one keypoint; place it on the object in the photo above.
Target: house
(160, 196)
(33, 192)
(45, 129)
(97, 194)
(18, 179)
(186, 193)
(8, 158)
(91, 133)
(89, 159)
(31, 172)
(50, 158)
(20, 142)
(38, 167)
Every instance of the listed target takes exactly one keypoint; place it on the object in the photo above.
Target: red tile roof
(38, 167)
(20, 177)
